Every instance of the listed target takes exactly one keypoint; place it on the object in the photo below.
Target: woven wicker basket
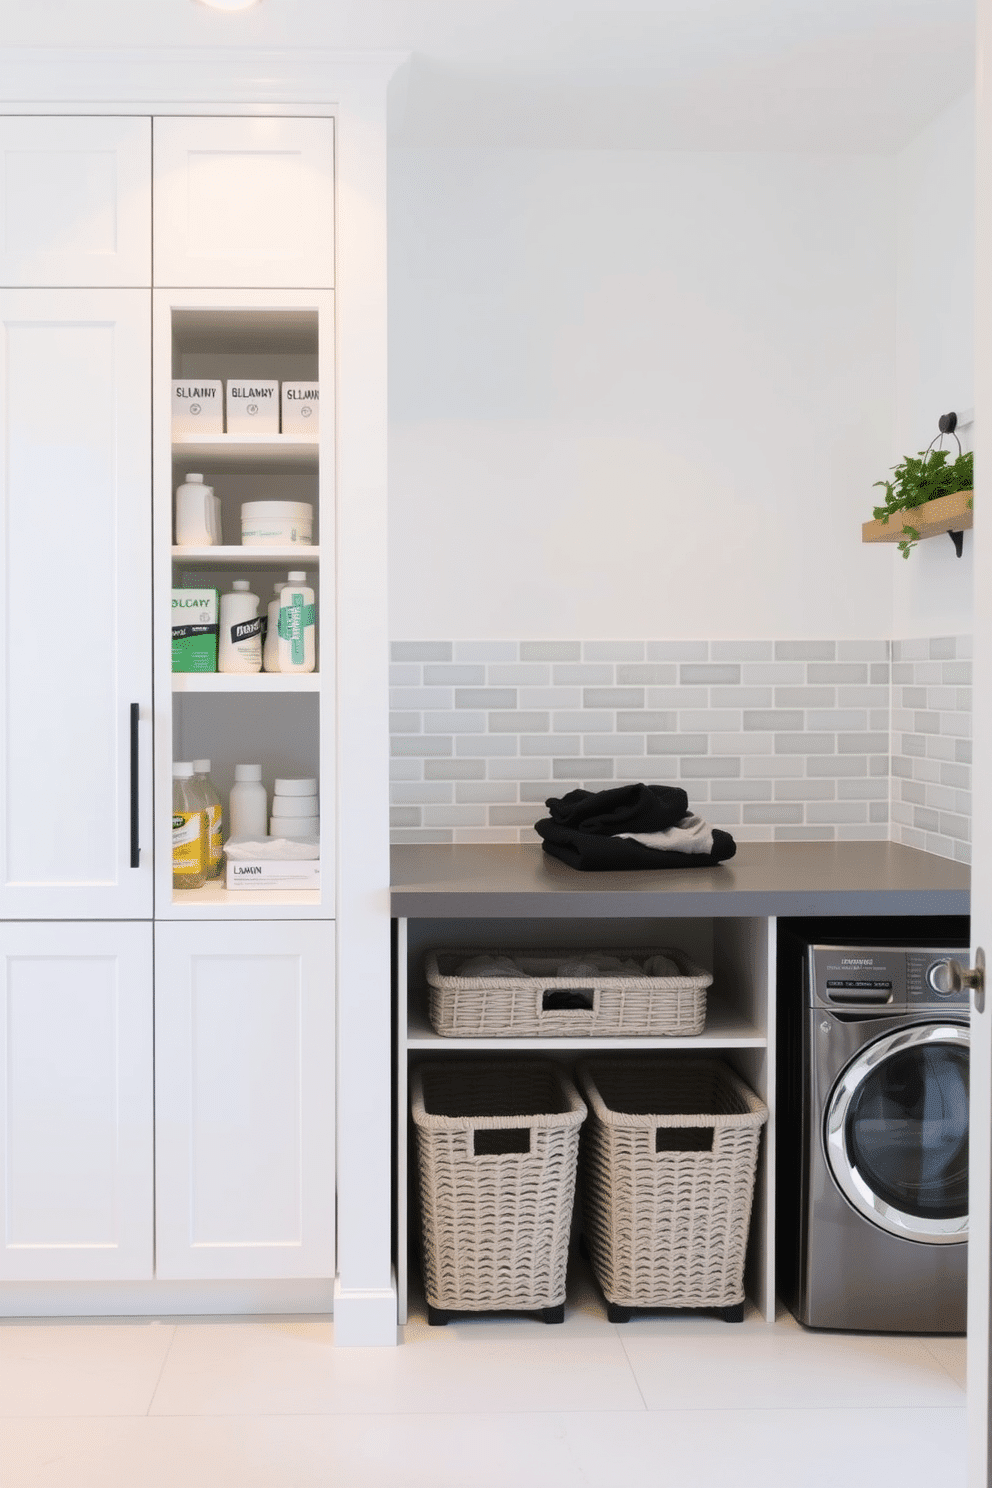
(495, 1224)
(667, 1225)
(505, 1007)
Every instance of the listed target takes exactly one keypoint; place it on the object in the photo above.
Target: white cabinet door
(244, 1100)
(75, 201)
(76, 1145)
(244, 203)
(75, 604)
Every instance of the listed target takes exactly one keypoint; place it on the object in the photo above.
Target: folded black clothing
(592, 854)
(624, 808)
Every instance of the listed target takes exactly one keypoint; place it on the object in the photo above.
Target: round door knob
(949, 977)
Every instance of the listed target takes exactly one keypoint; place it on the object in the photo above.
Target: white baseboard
(365, 1319)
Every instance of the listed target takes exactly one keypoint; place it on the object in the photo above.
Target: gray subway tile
(741, 790)
(641, 721)
(489, 792)
(804, 834)
(709, 673)
(549, 697)
(943, 648)
(805, 697)
(582, 721)
(488, 834)
(836, 811)
(676, 697)
(418, 793)
(837, 718)
(404, 816)
(549, 744)
(575, 769)
(773, 814)
(837, 765)
(442, 674)
(712, 720)
(613, 697)
(962, 751)
(454, 816)
(958, 776)
(805, 650)
(731, 743)
(862, 697)
(518, 722)
(550, 650)
(775, 673)
(485, 651)
(925, 819)
(914, 649)
(420, 651)
(613, 651)
(405, 698)
(419, 744)
(866, 743)
(772, 767)
(772, 719)
(878, 811)
(483, 746)
(926, 723)
(520, 769)
(836, 671)
(805, 790)
(879, 720)
(677, 650)
(965, 645)
(454, 723)
(741, 651)
(522, 815)
(793, 743)
(956, 673)
(455, 769)
(863, 790)
(741, 697)
(643, 674)
(867, 650)
(541, 791)
(485, 697)
(709, 767)
(518, 674)
(600, 675)
(404, 723)
(405, 674)
(406, 769)
(952, 825)
(677, 743)
(612, 744)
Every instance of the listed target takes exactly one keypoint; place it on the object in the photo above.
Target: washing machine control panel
(865, 977)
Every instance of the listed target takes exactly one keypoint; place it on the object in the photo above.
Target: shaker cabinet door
(244, 1100)
(76, 1144)
(75, 604)
(244, 203)
(75, 201)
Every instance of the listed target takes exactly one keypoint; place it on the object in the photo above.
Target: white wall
(638, 394)
(935, 193)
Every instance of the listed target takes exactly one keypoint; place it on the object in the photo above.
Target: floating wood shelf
(946, 514)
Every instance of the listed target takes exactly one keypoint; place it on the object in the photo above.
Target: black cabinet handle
(135, 850)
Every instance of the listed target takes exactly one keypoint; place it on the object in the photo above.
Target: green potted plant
(925, 477)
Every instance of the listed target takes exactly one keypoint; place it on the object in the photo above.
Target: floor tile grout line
(158, 1377)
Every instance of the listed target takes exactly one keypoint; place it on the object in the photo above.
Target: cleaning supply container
(669, 1156)
(248, 803)
(276, 524)
(497, 1143)
(240, 642)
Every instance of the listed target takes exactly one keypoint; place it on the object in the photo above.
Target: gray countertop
(765, 878)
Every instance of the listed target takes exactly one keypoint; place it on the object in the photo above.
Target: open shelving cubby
(283, 722)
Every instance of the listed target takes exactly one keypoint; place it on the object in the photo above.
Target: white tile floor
(668, 1402)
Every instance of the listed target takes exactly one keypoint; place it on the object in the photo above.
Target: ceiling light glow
(228, 4)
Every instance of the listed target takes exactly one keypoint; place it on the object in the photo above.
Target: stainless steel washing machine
(873, 1137)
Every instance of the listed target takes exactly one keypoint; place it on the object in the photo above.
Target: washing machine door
(896, 1133)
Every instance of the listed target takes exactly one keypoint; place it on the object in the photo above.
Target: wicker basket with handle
(497, 1146)
(668, 1168)
(650, 1003)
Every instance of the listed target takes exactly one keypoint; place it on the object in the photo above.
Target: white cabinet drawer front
(75, 199)
(244, 1100)
(244, 202)
(75, 499)
(76, 1114)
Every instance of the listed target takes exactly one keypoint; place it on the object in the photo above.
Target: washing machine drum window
(897, 1133)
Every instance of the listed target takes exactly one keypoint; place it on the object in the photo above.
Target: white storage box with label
(245, 873)
(252, 406)
(276, 524)
(301, 409)
(197, 407)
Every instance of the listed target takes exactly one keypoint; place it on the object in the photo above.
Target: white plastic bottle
(270, 650)
(195, 524)
(297, 626)
(189, 830)
(249, 803)
(215, 816)
(240, 642)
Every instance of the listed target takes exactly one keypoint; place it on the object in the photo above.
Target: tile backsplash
(931, 745)
(773, 740)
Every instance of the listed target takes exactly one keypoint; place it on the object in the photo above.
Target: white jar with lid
(276, 524)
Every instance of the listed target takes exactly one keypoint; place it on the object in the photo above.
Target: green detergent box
(194, 630)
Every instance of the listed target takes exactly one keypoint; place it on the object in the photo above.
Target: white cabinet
(76, 1102)
(75, 708)
(75, 199)
(244, 202)
(244, 1100)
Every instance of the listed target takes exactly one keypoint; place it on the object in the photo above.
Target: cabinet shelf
(244, 903)
(253, 682)
(238, 453)
(945, 514)
(248, 557)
